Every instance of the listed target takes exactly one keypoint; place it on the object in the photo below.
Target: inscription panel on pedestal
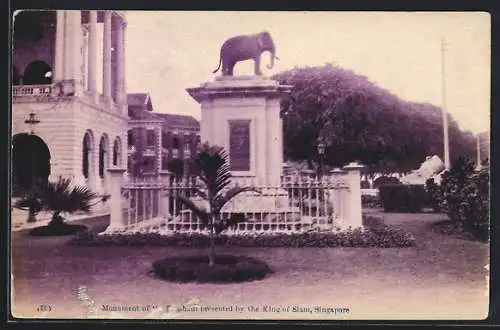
(239, 145)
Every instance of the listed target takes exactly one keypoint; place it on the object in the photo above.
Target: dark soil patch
(227, 269)
(57, 230)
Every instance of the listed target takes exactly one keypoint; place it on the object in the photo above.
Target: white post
(443, 110)
(115, 184)
(336, 197)
(164, 193)
(92, 58)
(106, 82)
(355, 209)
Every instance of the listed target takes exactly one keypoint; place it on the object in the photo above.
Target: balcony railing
(32, 90)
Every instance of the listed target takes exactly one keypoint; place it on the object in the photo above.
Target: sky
(169, 51)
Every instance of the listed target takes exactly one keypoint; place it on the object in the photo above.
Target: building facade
(159, 141)
(68, 71)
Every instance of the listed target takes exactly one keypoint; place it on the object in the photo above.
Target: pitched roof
(140, 100)
(141, 114)
(179, 120)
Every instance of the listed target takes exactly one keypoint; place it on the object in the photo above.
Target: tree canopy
(358, 120)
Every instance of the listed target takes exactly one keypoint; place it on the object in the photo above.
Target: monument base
(268, 201)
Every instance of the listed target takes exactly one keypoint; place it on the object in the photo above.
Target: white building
(68, 69)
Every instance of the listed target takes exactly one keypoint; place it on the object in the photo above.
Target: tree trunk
(31, 215)
(57, 220)
(310, 165)
(211, 255)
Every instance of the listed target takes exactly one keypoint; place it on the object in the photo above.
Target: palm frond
(201, 193)
(222, 199)
(60, 196)
(31, 200)
(198, 211)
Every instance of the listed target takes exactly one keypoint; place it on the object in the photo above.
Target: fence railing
(298, 204)
(295, 206)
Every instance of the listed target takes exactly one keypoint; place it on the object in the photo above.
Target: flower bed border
(379, 236)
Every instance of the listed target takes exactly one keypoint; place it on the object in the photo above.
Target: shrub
(226, 269)
(464, 196)
(385, 180)
(403, 198)
(375, 235)
(370, 201)
(434, 196)
(365, 184)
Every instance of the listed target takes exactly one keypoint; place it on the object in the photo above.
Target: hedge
(403, 198)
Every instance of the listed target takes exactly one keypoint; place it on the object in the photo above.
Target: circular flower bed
(226, 269)
(57, 230)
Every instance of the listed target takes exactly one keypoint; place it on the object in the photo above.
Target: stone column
(59, 46)
(120, 72)
(106, 81)
(116, 216)
(355, 219)
(92, 58)
(73, 39)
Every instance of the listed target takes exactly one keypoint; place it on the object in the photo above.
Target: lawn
(440, 278)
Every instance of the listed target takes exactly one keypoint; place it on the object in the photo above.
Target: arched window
(117, 152)
(37, 73)
(86, 151)
(102, 156)
(85, 158)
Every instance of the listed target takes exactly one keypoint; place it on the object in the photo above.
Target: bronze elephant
(245, 47)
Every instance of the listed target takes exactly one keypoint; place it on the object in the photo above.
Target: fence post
(116, 212)
(355, 209)
(165, 193)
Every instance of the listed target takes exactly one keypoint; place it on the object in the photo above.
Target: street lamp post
(32, 121)
(321, 152)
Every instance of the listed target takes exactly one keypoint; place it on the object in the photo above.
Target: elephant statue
(245, 47)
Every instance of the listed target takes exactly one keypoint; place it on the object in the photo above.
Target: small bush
(365, 184)
(403, 198)
(226, 269)
(434, 198)
(370, 201)
(385, 180)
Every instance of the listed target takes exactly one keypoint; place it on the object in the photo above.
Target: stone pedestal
(242, 115)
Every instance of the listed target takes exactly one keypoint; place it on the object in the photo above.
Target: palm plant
(212, 165)
(61, 197)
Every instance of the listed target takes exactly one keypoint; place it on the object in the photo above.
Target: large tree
(360, 121)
